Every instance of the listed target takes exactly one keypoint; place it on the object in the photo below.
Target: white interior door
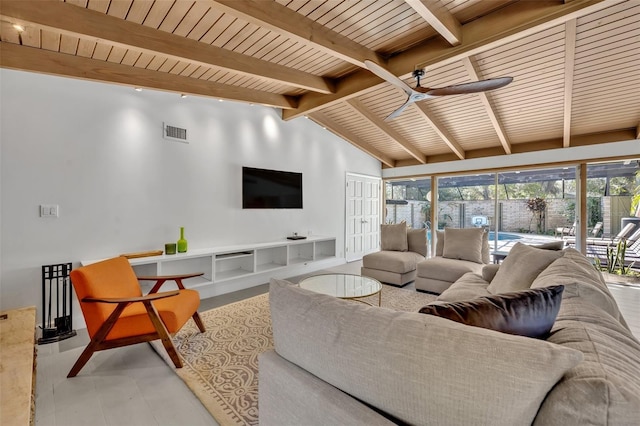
(363, 215)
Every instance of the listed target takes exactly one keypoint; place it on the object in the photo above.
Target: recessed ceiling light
(220, 100)
(138, 89)
(183, 96)
(18, 27)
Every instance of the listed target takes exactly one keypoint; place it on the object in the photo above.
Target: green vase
(182, 243)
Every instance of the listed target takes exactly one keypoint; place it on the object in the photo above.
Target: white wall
(97, 151)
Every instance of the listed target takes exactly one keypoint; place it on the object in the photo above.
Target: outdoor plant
(537, 208)
(615, 259)
(635, 200)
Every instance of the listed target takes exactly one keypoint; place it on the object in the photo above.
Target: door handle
(364, 221)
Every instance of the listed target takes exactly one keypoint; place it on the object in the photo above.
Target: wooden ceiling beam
(372, 119)
(473, 71)
(76, 21)
(446, 137)
(439, 18)
(14, 56)
(324, 121)
(507, 24)
(289, 23)
(569, 68)
(541, 145)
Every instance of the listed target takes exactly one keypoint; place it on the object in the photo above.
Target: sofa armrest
(489, 271)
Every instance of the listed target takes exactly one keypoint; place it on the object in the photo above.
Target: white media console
(232, 268)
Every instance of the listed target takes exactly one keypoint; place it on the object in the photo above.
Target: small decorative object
(170, 248)
(137, 254)
(182, 243)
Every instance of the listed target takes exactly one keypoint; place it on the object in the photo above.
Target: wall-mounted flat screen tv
(271, 189)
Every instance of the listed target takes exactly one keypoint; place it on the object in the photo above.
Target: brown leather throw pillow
(529, 313)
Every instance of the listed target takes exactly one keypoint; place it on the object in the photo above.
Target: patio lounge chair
(623, 234)
(597, 230)
(632, 252)
(565, 230)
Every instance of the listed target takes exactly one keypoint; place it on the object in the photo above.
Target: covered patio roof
(601, 170)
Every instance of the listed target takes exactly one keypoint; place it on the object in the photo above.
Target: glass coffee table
(344, 286)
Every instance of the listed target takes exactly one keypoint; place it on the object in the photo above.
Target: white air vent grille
(174, 133)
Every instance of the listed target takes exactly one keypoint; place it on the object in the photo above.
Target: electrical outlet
(48, 210)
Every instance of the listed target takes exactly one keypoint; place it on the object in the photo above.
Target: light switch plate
(48, 210)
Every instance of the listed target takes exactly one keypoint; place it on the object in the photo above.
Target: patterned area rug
(221, 365)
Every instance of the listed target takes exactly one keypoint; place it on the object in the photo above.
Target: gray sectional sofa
(458, 251)
(401, 250)
(337, 362)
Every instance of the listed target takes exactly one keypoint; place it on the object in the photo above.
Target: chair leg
(83, 359)
(163, 333)
(96, 340)
(198, 321)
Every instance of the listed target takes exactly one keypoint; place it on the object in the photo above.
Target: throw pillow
(394, 237)
(463, 244)
(529, 313)
(518, 270)
(554, 245)
(417, 241)
(489, 271)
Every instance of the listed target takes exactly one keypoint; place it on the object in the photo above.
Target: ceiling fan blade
(473, 87)
(397, 112)
(389, 77)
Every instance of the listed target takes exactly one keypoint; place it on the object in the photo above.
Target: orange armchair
(117, 314)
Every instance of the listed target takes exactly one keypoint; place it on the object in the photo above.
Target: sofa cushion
(522, 266)
(441, 268)
(529, 313)
(410, 366)
(486, 250)
(489, 271)
(469, 286)
(581, 279)
(604, 389)
(553, 245)
(463, 244)
(392, 261)
(394, 237)
(417, 241)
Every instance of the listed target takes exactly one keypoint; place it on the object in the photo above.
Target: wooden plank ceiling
(575, 64)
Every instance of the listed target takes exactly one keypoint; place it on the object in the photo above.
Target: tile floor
(133, 385)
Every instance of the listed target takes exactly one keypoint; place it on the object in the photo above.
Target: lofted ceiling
(575, 64)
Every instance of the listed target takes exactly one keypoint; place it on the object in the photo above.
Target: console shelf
(224, 264)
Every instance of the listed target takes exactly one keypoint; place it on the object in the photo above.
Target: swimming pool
(501, 236)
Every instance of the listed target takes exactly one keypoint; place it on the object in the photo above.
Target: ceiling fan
(420, 93)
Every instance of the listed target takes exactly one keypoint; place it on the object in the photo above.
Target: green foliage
(615, 260)
(425, 209)
(537, 207)
(594, 210)
(445, 219)
(635, 200)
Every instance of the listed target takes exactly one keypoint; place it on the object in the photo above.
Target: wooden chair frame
(98, 342)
